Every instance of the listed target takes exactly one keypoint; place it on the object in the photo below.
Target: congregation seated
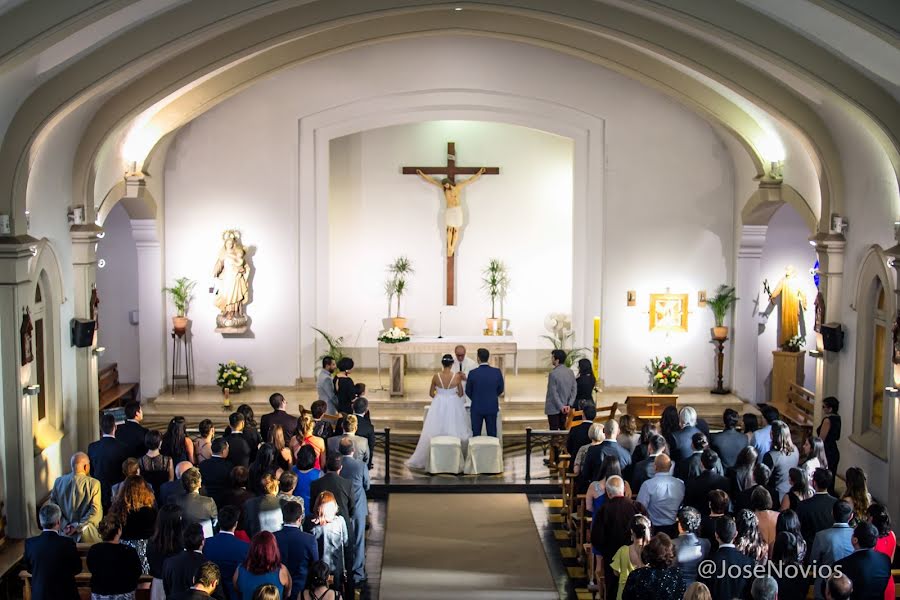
(52, 559)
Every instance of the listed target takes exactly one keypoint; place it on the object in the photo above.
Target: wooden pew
(111, 391)
(798, 409)
(83, 582)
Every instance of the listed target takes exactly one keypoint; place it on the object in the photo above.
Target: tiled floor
(570, 575)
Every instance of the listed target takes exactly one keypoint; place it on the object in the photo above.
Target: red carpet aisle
(463, 546)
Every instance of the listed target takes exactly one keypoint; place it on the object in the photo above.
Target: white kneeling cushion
(445, 455)
(485, 455)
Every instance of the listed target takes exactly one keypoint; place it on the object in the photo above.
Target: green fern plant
(400, 269)
(180, 294)
(335, 346)
(564, 341)
(721, 302)
(494, 280)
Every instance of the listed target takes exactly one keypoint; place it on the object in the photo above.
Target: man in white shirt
(463, 364)
(662, 495)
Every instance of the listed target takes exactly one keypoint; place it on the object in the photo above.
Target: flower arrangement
(794, 344)
(664, 375)
(232, 376)
(394, 335)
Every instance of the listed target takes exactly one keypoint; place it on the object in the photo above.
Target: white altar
(500, 348)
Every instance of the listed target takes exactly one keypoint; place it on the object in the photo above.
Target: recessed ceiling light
(458, 8)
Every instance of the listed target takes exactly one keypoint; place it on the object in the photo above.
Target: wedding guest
(298, 549)
(833, 543)
(749, 540)
(330, 530)
(561, 390)
(595, 437)
(749, 426)
(225, 549)
(320, 581)
(660, 579)
(697, 490)
(131, 432)
(360, 444)
(52, 559)
(690, 549)
(729, 442)
(830, 432)
(344, 387)
(263, 513)
(761, 477)
(718, 503)
(237, 495)
(682, 439)
(216, 471)
(179, 570)
(239, 450)
(364, 427)
(206, 582)
(77, 495)
(322, 427)
(278, 416)
(266, 463)
(115, 568)
(857, 493)
(156, 467)
(578, 433)
(250, 432)
(812, 455)
(800, 488)
(628, 558)
(761, 505)
(283, 454)
(878, 516)
(167, 541)
(135, 510)
(762, 437)
(645, 469)
(306, 473)
(609, 529)
(628, 437)
(175, 442)
(171, 491)
(596, 492)
(727, 560)
(662, 496)
(868, 569)
(641, 451)
(194, 507)
(107, 455)
(743, 469)
(816, 512)
(765, 588)
(202, 443)
(782, 457)
(130, 467)
(325, 389)
(689, 468)
(262, 567)
(585, 382)
(669, 423)
(306, 437)
(697, 591)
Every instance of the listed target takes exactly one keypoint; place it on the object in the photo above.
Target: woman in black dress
(175, 442)
(659, 579)
(584, 383)
(167, 541)
(344, 386)
(830, 432)
(788, 550)
(115, 568)
(156, 467)
(135, 508)
(669, 423)
(250, 432)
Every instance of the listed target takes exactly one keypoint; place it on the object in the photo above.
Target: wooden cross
(451, 171)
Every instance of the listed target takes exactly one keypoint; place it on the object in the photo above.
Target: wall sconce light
(31, 390)
(99, 350)
(893, 256)
(101, 263)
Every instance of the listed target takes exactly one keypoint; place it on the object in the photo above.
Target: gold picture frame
(669, 312)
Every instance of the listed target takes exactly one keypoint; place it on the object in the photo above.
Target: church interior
(202, 199)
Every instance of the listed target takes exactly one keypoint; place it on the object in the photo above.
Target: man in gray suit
(560, 391)
(832, 544)
(194, 507)
(357, 472)
(325, 384)
(78, 496)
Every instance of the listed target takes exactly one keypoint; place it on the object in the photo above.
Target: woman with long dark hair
(175, 442)
(320, 581)
(878, 516)
(749, 541)
(262, 567)
(789, 521)
(800, 488)
(283, 453)
(857, 493)
(156, 467)
(786, 551)
(750, 423)
(812, 455)
(250, 432)
(781, 459)
(641, 451)
(584, 383)
(743, 469)
(669, 423)
(596, 492)
(266, 463)
(167, 540)
(135, 507)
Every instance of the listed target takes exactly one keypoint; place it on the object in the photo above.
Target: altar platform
(522, 407)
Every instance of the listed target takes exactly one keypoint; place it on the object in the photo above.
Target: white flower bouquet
(232, 376)
(394, 335)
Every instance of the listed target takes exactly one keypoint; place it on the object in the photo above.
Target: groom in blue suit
(484, 386)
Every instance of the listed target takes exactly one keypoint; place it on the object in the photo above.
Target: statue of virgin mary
(232, 287)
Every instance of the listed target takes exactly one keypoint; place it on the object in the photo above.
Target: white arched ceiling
(258, 25)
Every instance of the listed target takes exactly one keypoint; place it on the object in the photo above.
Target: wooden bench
(798, 409)
(111, 391)
(83, 583)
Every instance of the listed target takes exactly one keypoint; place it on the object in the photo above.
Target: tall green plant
(495, 280)
(721, 302)
(400, 269)
(335, 346)
(180, 294)
(564, 340)
(390, 288)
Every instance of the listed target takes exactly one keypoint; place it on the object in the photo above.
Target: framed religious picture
(668, 312)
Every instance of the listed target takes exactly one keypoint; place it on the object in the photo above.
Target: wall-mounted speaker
(83, 332)
(832, 337)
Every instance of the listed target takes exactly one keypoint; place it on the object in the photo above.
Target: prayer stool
(445, 455)
(485, 456)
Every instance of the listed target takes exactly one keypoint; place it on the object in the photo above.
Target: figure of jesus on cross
(453, 215)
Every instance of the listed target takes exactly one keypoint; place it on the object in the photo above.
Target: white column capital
(752, 241)
(145, 233)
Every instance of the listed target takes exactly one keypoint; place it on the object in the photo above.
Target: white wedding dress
(446, 416)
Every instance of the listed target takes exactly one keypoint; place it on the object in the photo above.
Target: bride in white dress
(447, 414)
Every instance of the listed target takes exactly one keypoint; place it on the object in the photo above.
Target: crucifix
(453, 215)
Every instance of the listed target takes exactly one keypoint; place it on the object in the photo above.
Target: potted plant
(335, 346)
(563, 338)
(180, 294)
(719, 304)
(400, 269)
(494, 280)
(665, 375)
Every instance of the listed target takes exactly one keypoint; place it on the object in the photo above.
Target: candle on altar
(596, 347)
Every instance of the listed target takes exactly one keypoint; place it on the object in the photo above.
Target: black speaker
(83, 332)
(832, 337)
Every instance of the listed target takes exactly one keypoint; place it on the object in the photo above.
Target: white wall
(523, 217)
(786, 244)
(117, 285)
(670, 187)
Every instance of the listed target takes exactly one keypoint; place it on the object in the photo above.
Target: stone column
(151, 307)
(746, 329)
(830, 252)
(84, 261)
(17, 463)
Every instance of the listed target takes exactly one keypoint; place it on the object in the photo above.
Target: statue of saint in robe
(793, 302)
(232, 289)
